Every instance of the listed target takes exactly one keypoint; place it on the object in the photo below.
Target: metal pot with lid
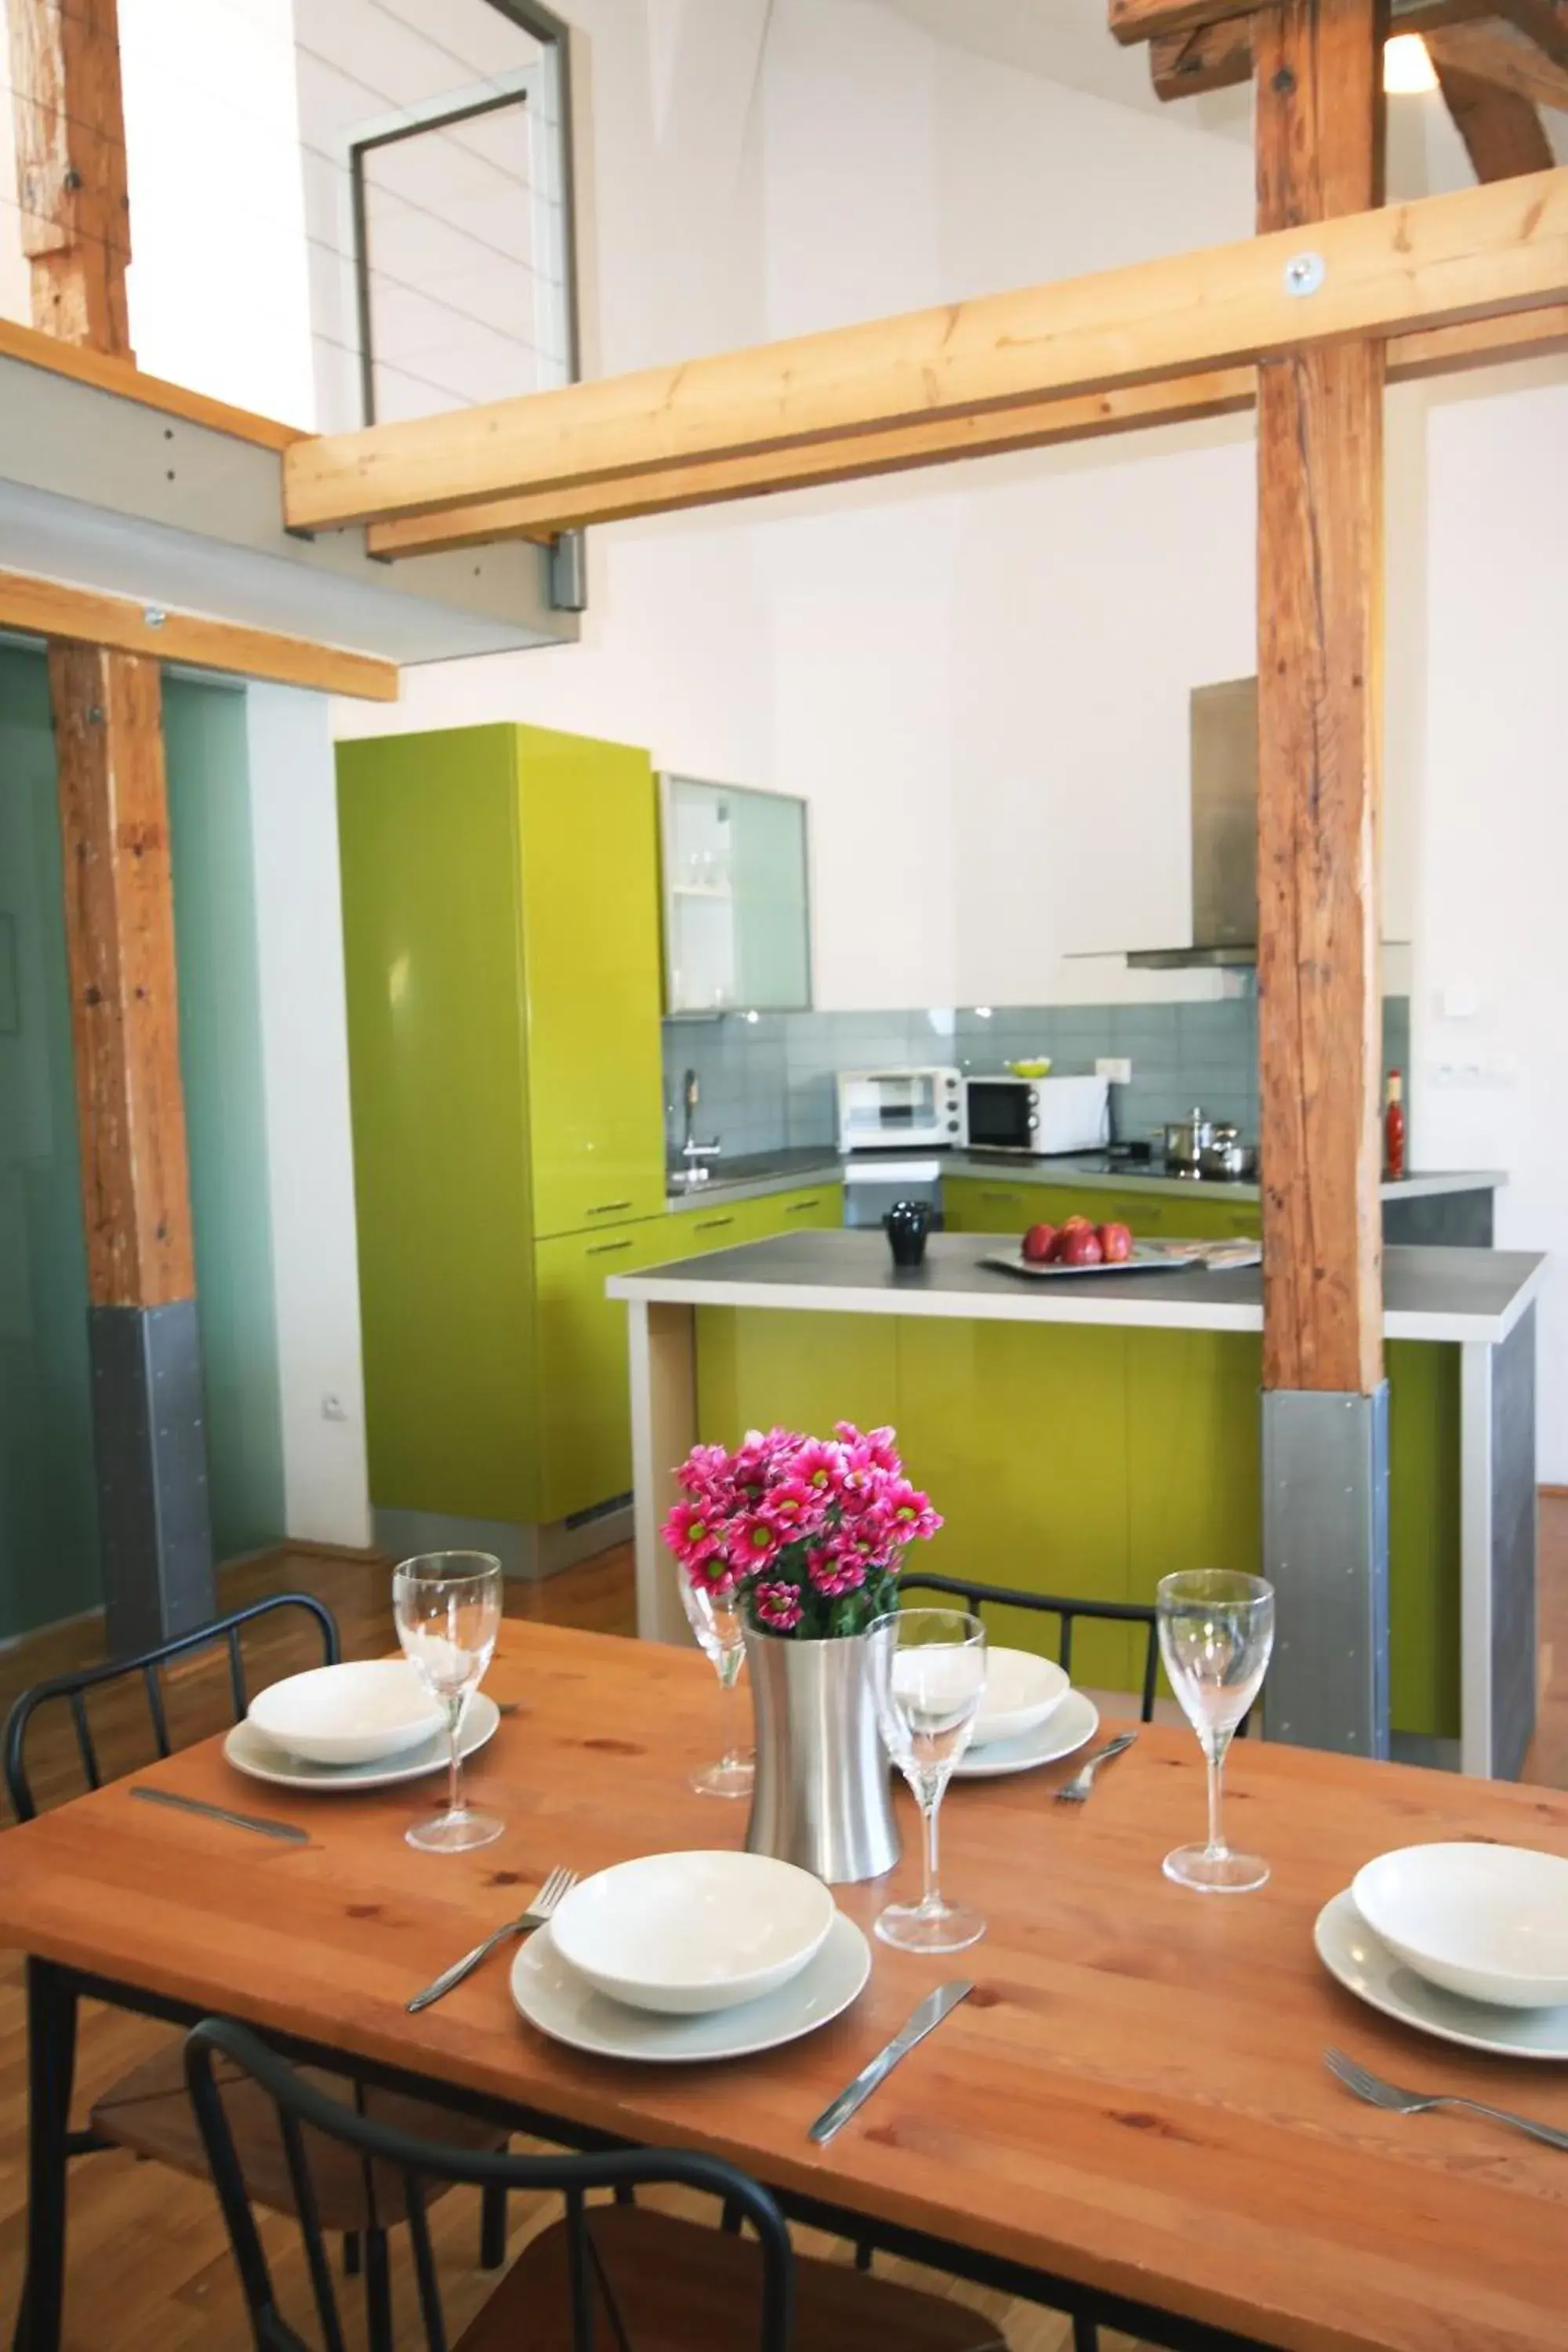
(1225, 1156)
(1185, 1141)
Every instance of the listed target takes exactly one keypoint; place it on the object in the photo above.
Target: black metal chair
(148, 2110)
(619, 2277)
(977, 1597)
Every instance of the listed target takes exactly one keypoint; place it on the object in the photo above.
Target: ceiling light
(1408, 70)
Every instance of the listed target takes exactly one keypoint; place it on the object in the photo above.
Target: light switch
(1458, 1004)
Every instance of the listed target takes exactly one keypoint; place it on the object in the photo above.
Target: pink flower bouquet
(807, 1534)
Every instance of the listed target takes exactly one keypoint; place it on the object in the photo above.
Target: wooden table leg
(51, 2066)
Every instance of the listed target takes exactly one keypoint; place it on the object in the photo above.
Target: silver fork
(1074, 1791)
(544, 1905)
(1379, 2094)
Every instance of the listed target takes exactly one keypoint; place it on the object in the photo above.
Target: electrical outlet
(334, 1407)
(1120, 1073)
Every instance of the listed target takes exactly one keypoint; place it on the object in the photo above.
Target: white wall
(1494, 832)
(305, 1077)
(218, 285)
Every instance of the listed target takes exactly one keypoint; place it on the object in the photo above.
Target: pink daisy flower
(755, 1542)
(777, 1605)
(910, 1513)
(692, 1533)
(793, 1508)
(819, 1465)
(833, 1571)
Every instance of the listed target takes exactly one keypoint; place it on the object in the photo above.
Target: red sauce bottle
(1393, 1127)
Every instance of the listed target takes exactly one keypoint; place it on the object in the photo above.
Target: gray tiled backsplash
(767, 1083)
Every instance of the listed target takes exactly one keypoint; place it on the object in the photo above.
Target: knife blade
(930, 2014)
(257, 1822)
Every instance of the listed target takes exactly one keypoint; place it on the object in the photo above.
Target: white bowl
(1021, 1690)
(684, 1933)
(352, 1714)
(1489, 1922)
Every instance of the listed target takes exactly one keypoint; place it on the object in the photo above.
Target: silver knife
(257, 1822)
(929, 2013)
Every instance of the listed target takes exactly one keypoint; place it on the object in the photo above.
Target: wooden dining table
(1131, 2114)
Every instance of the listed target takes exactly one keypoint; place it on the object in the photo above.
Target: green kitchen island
(1084, 1437)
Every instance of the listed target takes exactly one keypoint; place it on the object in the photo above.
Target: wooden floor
(150, 2268)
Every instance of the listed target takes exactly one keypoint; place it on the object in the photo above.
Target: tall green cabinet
(500, 919)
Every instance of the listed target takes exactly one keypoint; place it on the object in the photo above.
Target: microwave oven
(882, 1109)
(1037, 1116)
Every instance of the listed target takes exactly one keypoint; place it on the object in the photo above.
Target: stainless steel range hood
(1224, 735)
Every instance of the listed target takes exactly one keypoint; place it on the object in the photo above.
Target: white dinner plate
(1352, 1953)
(556, 2000)
(1069, 1724)
(258, 1759)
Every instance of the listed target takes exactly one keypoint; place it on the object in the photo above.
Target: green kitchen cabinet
(725, 1224)
(584, 1413)
(501, 923)
(975, 1205)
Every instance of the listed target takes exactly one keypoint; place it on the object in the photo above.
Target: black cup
(907, 1224)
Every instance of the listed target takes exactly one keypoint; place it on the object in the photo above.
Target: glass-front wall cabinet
(737, 915)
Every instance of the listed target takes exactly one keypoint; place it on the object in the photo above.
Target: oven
(881, 1111)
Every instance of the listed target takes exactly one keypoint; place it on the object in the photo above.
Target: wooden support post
(147, 1401)
(70, 168)
(120, 947)
(1320, 599)
(1320, 564)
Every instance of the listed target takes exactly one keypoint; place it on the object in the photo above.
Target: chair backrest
(1116, 1612)
(299, 2107)
(72, 1689)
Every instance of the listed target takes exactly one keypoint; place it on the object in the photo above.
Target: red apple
(1039, 1242)
(1080, 1246)
(1115, 1244)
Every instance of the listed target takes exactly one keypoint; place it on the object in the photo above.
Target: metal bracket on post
(1325, 1551)
(148, 1411)
(569, 572)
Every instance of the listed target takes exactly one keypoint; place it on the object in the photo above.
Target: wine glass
(714, 1616)
(1216, 1631)
(448, 1608)
(928, 1671)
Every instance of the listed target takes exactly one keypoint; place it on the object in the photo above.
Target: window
(439, 171)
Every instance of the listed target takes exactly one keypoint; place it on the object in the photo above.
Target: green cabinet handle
(608, 1208)
(601, 1249)
(799, 1208)
(712, 1224)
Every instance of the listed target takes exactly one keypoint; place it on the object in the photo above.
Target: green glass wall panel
(220, 1057)
(48, 1512)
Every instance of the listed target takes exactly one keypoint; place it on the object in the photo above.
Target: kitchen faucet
(692, 1152)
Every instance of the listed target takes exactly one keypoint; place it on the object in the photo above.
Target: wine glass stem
(455, 1768)
(1217, 1845)
(930, 1897)
(729, 1681)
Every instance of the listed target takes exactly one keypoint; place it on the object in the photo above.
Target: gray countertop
(754, 1177)
(1428, 1294)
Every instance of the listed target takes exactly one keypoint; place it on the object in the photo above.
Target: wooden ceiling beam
(1215, 56)
(1476, 253)
(1133, 21)
(1544, 22)
(1501, 54)
(545, 514)
(1502, 131)
(54, 609)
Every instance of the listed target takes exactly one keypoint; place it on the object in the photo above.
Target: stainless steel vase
(823, 1797)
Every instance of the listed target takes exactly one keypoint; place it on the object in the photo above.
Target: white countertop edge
(1100, 1306)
